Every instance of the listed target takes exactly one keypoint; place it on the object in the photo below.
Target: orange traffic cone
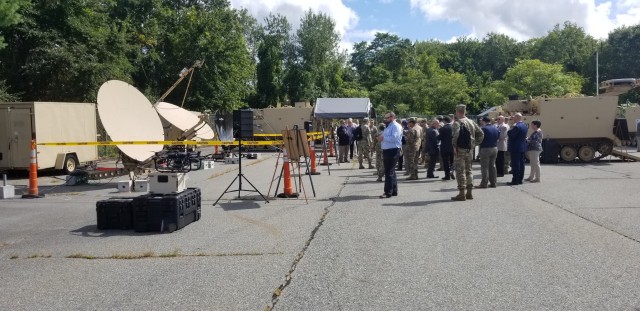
(325, 160)
(331, 148)
(288, 186)
(33, 174)
(312, 153)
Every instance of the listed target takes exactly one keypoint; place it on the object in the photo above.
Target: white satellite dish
(183, 119)
(127, 115)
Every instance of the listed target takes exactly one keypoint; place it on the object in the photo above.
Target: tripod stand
(239, 178)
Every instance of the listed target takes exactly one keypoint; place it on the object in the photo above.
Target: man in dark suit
(432, 147)
(446, 147)
(517, 146)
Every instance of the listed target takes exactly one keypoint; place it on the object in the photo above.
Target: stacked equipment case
(151, 212)
(169, 206)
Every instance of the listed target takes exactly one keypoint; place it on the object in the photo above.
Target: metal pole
(597, 76)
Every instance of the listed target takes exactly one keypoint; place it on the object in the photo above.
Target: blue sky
(446, 20)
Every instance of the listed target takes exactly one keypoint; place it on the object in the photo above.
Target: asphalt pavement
(570, 242)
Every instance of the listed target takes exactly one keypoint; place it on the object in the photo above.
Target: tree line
(63, 50)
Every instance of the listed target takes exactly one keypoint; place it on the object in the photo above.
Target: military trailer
(275, 120)
(47, 122)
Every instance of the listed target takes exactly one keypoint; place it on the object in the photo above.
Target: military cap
(461, 107)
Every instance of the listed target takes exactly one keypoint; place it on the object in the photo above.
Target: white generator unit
(165, 183)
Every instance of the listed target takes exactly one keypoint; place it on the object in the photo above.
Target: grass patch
(81, 256)
(132, 256)
(175, 253)
(39, 256)
(14, 257)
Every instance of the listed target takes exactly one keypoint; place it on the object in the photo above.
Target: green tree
(212, 33)
(498, 53)
(571, 47)
(533, 77)
(619, 58)
(313, 66)
(270, 69)
(9, 15)
(58, 52)
(568, 45)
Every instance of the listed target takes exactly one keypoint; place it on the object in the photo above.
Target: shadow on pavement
(234, 206)
(91, 231)
(417, 203)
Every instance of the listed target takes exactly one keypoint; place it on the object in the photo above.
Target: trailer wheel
(70, 163)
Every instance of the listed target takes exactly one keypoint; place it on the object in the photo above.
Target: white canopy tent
(342, 108)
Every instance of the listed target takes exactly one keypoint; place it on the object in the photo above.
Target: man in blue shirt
(391, 142)
(488, 153)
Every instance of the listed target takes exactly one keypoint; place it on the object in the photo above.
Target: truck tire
(70, 163)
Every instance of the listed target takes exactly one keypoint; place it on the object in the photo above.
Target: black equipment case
(115, 213)
(166, 212)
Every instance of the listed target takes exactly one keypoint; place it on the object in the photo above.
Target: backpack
(357, 133)
(464, 138)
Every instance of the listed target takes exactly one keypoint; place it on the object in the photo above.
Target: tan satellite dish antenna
(127, 115)
(183, 119)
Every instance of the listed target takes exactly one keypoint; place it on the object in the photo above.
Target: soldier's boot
(379, 178)
(370, 166)
(469, 196)
(361, 166)
(412, 177)
(460, 196)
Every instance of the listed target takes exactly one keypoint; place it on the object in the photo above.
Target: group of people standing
(450, 142)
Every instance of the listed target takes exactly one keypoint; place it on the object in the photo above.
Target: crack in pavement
(580, 216)
(289, 275)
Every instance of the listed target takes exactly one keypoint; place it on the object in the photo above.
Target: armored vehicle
(579, 127)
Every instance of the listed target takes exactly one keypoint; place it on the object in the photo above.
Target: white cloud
(345, 18)
(526, 19)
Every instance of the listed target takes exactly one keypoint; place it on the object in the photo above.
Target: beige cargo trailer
(47, 122)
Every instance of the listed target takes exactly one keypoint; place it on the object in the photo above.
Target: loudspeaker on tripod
(243, 123)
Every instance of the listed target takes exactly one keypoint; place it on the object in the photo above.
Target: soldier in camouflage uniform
(423, 154)
(464, 157)
(374, 133)
(378, 149)
(411, 135)
(419, 137)
(364, 145)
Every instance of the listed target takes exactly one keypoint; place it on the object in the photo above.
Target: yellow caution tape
(167, 142)
(314, 135)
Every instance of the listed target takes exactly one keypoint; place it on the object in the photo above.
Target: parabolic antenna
(127, 115)
(183, 119)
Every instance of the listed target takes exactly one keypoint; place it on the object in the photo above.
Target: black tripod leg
(313, 189)
(225, 190)
(254, 188)
(279, 179)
